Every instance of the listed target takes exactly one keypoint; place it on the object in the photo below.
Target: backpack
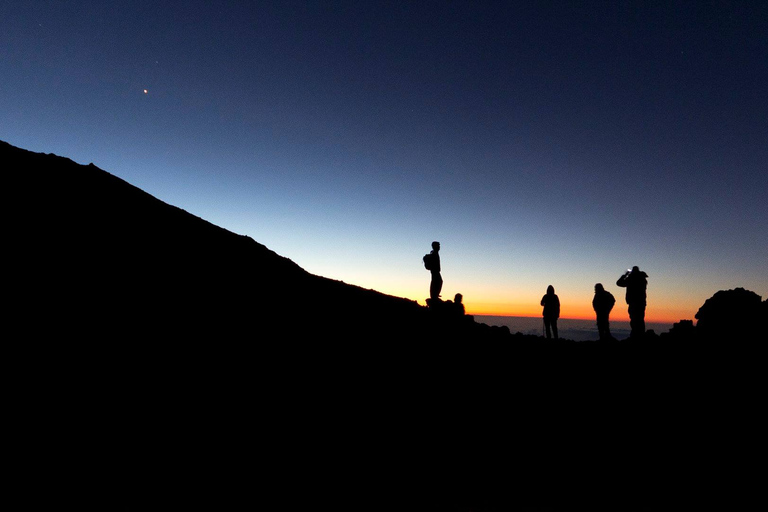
(428, 260)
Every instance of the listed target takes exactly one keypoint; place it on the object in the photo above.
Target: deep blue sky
(539, 142)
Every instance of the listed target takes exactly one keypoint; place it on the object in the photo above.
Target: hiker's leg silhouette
(435, 286)
(602, 327)
(637, 320)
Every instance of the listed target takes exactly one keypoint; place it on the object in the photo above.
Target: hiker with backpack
(432, 263)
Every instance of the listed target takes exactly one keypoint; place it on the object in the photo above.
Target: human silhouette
(458, 306)
(636, 282)
(432, 263)
(551, 312)
(603, 303)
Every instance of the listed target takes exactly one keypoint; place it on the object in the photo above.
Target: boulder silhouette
(730, 314)
(684, 330)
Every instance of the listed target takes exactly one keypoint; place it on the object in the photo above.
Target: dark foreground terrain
(161, 367)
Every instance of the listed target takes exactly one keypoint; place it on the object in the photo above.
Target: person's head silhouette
(550, 290)
(458, 298)
(599, 287)
(436, 246)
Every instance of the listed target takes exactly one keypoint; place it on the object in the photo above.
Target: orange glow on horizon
(619, 313)
(490, 303)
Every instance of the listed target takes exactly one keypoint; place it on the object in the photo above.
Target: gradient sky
(540, 142)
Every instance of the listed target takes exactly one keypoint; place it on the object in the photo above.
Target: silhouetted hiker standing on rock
(603, 303)
(635, 281)
(432, 263)
(551, 312)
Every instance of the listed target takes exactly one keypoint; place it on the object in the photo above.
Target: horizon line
(577, 318)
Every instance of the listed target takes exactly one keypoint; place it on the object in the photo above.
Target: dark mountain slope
(173, 365)
(102, 256)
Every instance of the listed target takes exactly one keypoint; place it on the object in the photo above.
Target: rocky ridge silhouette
(102, 256)
(165, 355)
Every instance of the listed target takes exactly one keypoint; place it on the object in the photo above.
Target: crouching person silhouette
(458, 305)
(551, 312)
(603, 303)
(432, 263)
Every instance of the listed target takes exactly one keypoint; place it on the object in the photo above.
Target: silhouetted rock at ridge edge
(731, 314)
